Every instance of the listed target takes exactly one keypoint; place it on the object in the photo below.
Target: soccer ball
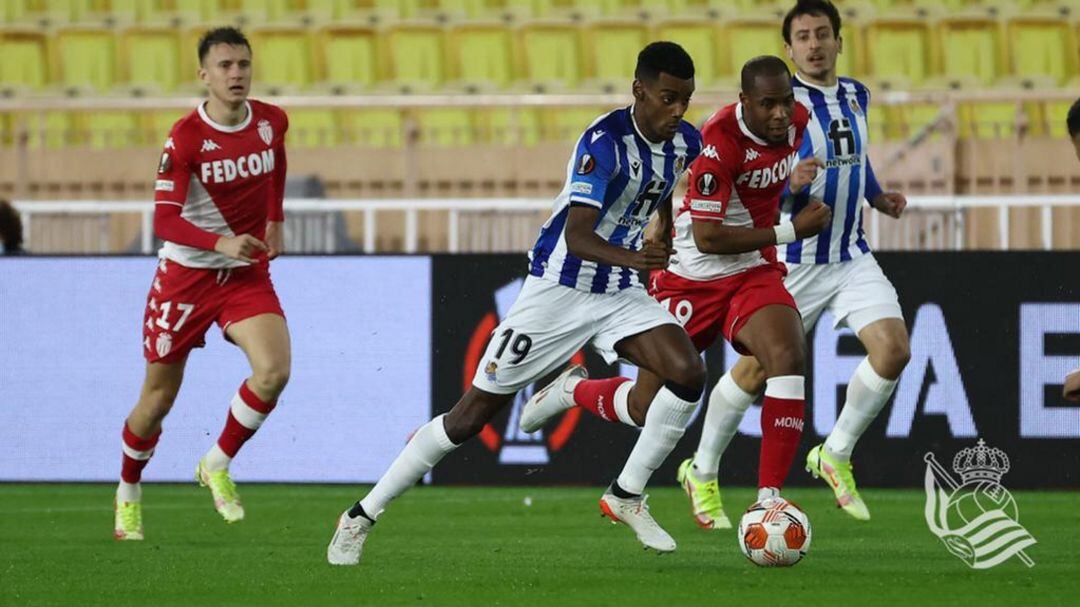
(774, 533)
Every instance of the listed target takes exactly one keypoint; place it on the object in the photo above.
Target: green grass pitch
(484, 546)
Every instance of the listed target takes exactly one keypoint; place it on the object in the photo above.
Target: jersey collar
(745, 129)
(221, 127)
(828, 90)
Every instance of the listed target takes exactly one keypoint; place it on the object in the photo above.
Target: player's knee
(689, 372)
(271, 380)
(786, 359)
(749, 378)
(890, 360)
(157, 402)
(460, 426)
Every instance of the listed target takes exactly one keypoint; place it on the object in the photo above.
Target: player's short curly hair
(1073, 119)
(763, 65)
(666, 57)
(221, 35)
(815, 8)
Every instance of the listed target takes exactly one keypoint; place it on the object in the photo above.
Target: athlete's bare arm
(715, 237)
(582, 241)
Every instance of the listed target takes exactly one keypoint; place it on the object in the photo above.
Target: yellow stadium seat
(898, 50)
(86, 57)
(611, 49)
(310, 128)
(700, 38)
(50, 130)
(283, 56)
(746, 39)
(157, 124)
(23, 59)
(551, 53)
(371, 128)
(446, 128)
(567, 124)
(151, 56)
(109, 129)
(509, 127)
(987, 120)
(1042, 47)
(971, 50)
(350, 55)
(902, 122)
(417, 54)
(1052, 115)
(198, 11)
(482, 55)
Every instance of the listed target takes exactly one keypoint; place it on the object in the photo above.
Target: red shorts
(709, 308)
(184, 302)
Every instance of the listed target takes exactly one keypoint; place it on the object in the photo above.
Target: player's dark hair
(11, 229)
(764, 65)
(221, 35)
(1073, 119)
(815, 8)
(666, 57)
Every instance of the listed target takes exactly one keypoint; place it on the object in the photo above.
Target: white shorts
(856, 292)
(549, 323)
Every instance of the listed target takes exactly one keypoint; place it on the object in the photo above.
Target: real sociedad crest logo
(266, 132)
(853, 103)
(976, 518)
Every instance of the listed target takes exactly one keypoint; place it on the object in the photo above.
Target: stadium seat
(23, 59)
(987, 120)
(971, 50)
(150, 56)
(611, 49)
(1042, 47)
(86, 57)
(446, 128)
(902, 122)
(371, 128)
(482, 55)
(350, 56)
(283, 56)
(198, 11)
(108, 129)
(748, 38)
(699, 36)
(552, 55)
(567, 124)
(509, 127)
(313, 128)
(417, 55)
(898, 51)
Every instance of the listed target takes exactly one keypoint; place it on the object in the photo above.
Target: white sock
(426, 448)
(129, 492)
(216, 459)
(665, 424)
(622, 404)
(867, 393)
(727, 405)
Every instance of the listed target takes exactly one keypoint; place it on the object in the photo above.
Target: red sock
(246, 414)
(781, 429)
(598, 396)
(137, 452)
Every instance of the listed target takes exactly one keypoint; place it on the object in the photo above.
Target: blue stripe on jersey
(854, 206)
(618, 235)
(806, 150)
(832, 175)
(546, 243)
(863, 95)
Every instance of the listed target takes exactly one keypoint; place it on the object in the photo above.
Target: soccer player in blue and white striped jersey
(583, 289)
(834, 270)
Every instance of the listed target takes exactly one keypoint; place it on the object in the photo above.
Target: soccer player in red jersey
(1071, 389)
(219, 193)
(724, 278)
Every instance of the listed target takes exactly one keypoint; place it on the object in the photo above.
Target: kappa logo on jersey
(165, 165)
(596, 135)
(227, 170)
(765, 177)
(706, 184)
(266, 132)
(710, 152)
(586, 164)
(208, 145)
(751, 155)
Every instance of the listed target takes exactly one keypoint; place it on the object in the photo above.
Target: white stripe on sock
(788, 387)
(248, 417)
(622, 403)
(138, 455)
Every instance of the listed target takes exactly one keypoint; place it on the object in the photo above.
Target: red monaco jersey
(737, 180)
(228, 180)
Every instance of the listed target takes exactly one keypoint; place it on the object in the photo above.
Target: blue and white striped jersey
(837, 135)
(616, 170)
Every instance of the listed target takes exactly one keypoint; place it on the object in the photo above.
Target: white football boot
(634, 512)
(348, 540)
(553, 399)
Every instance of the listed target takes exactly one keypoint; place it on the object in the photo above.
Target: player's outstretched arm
(717, 238)
(583, 242)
